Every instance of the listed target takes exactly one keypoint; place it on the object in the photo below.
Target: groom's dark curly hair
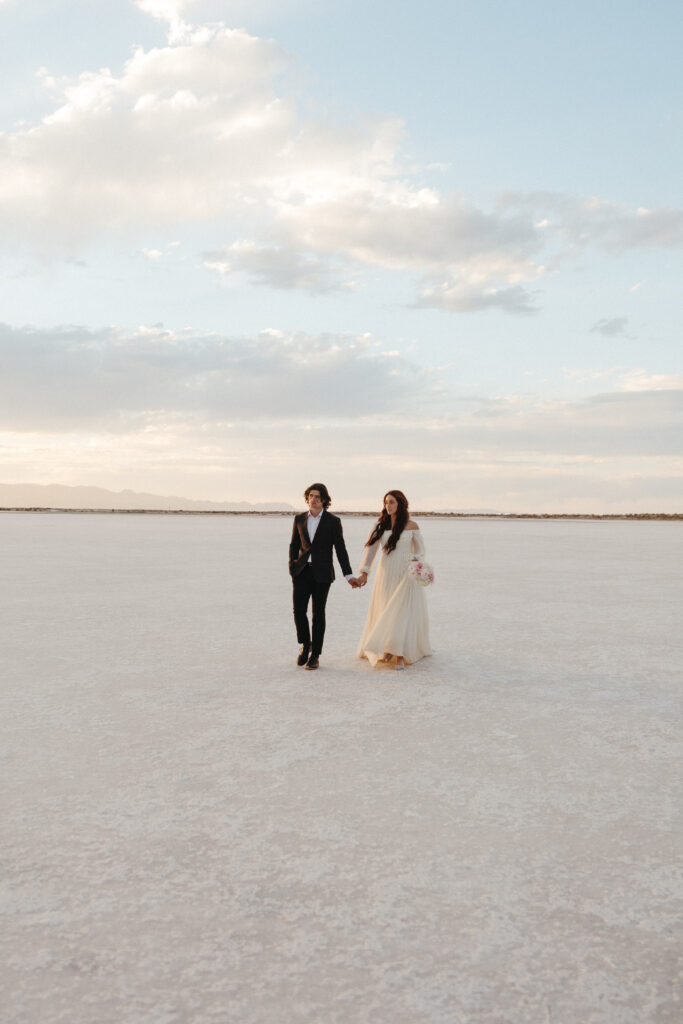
(324, 493)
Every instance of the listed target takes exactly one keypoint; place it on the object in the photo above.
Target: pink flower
(422, 573)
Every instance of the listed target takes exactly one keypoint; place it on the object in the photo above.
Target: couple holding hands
(397, 627)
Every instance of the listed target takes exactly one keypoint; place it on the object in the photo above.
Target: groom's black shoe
(312, 663)
(303, 655)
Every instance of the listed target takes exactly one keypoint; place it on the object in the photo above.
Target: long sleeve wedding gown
(397, 621)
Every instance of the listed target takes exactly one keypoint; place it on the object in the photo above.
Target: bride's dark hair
(384, 521)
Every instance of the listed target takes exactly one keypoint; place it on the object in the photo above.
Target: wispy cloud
(278, 267)
(610, 328)
(72, 376)
(461, 297)
(640, 380)
(582, 376)
(157, 406)
(579, 222)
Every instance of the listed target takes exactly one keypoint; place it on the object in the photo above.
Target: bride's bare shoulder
(410, 525)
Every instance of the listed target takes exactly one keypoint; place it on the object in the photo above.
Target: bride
(397, 626)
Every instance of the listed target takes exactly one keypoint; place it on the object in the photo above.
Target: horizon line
(46, 509)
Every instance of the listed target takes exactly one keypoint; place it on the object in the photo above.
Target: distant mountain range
(60, 496)
(99, 499)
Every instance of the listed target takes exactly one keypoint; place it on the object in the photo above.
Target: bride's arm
(418, 547)
(369, 552)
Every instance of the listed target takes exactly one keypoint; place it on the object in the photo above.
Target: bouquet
(421, 573)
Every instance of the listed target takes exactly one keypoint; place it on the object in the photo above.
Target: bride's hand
(362, 579)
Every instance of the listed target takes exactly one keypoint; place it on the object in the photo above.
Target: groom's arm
(342, 555)
(294, 545)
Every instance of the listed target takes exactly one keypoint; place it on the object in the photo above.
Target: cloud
(169, 11)
(392, 225)
(206, 131)
(611, 328)
(72, 377)
(607, 424)
(582, 376)
(278, 268)
(459, 297)
(165, 10)
(187, 133)
(640, 380)
(160, 408)
(580, 222)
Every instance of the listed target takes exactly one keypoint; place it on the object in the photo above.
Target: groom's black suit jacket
(327, 536)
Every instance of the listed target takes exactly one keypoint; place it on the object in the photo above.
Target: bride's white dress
(397, 621)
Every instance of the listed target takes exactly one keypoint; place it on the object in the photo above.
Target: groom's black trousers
(306, 586)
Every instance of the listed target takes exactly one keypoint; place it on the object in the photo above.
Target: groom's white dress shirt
(312, 525)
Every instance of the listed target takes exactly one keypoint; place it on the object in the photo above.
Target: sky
(246, 246)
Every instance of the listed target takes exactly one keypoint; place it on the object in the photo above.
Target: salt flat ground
(196, 830)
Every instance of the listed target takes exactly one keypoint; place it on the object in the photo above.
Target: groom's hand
(353, 582)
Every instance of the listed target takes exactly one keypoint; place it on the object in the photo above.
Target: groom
(314, 535)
